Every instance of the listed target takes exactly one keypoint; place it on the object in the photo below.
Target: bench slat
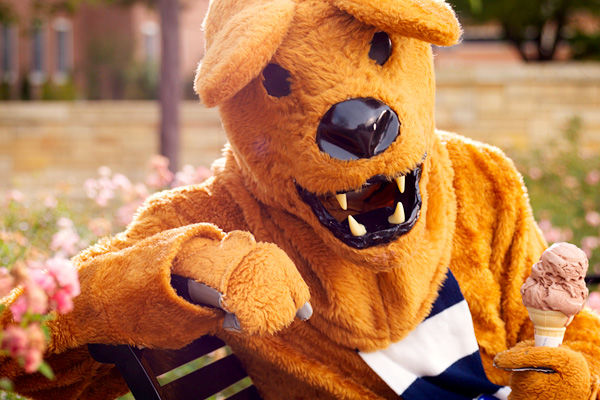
(208, 380)
(250, 393)
(161, 361)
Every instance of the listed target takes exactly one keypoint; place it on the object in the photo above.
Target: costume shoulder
(479, 165)
(496, 241)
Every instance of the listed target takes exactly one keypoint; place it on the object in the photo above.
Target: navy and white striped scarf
(440, 358)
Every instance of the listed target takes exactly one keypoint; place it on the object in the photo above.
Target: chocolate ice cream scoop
(557, 281)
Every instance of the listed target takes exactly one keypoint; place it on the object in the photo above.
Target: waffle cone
(549, 326)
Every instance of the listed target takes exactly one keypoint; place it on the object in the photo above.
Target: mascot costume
(338, 200)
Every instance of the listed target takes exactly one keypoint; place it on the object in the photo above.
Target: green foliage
(4, 91)
(107, 59)
(59, 91)
(11, 396)
(541, 22)
(7, 13)
(71, 5)
(6, 384)
(46, 370)
(585, 46)
(142, 81)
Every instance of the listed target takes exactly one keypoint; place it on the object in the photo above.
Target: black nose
(357, 128)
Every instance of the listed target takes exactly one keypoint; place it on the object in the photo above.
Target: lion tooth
(343, 200)
(401, 182)
(398, 216)
(356, 228)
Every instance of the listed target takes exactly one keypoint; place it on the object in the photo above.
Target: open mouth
(381, 210)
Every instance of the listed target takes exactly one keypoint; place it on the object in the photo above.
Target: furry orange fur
(247, 233)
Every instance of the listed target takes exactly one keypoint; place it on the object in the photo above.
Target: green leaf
(46, 370)
(46, 331)
(476, 6)
(6, 384)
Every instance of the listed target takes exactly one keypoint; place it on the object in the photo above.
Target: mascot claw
(204, 295)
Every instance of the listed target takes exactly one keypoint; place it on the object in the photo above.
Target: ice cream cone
(549, 326)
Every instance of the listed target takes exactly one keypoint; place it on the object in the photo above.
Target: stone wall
(43, 144)
(47, 143)
(520, 106)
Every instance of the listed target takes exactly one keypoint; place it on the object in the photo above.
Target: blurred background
(97, 111)
(83, 118)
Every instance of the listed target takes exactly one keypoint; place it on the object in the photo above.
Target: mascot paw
(545, 372)
(263, 294)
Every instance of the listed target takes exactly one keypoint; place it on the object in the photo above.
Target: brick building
(95, 52)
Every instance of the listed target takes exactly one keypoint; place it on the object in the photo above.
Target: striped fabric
(440, 358)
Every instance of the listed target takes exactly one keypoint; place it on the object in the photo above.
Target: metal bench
(143, 369)
(202, 369)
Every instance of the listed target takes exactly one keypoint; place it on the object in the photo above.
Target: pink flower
(18, 308)
(120, 181)
(65, 274)
(35, 347)
(27, 344)
(37, 301)
(66, 240)
(32, 360)
(90, 188)
(102, 190)
(65, 223)
(592, 218)
(104, 196)
(159, 162)
(50, 202)
(43, 279)
(594, 301)
(104, 171)
(62, 301)
(535, 173)
(14, 340)
(35, 336)
(190, 175)
(554, 234)
(15, 195)
(589, 244)
(160, 175)
(100, 226)
(571, 182)
(593, 177)
(125, 213)
(141, 191)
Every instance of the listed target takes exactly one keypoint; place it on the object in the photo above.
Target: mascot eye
(276, 80)
(381, 48)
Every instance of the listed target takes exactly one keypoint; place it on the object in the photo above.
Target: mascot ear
(430, 20)
(241, 38)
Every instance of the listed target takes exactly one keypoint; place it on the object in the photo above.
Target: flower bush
(563, 180)
(38, 236)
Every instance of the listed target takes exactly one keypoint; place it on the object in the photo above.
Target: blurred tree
(6, 12)
(540, 22)
(170, 81)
